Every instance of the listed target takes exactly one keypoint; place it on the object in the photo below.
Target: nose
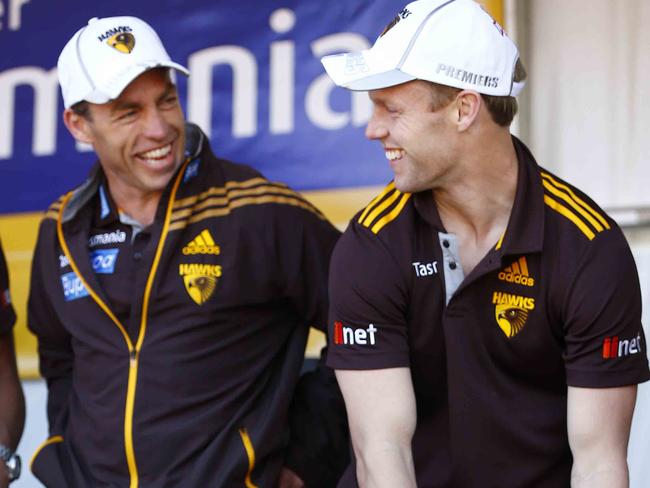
(376, 128)
(155, 125)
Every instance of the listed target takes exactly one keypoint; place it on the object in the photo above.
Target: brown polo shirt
(556, 302)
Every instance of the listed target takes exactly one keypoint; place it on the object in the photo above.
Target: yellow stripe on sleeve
(387, 190)
(562, 210)
(576, 198)
(551, 189)
(380, 208)
(392, 215)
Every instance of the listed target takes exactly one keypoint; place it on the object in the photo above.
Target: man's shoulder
(226, 187)
(52, 212)
(383, 231)
(385, 217)
(572, 213)
(68, 205)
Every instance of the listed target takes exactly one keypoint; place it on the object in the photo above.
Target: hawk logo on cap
(124, 42)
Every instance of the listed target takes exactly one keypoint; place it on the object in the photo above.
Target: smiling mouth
(156, 154)
(393, 154)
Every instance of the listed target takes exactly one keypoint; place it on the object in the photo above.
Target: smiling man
(172, 295)
(504, 303)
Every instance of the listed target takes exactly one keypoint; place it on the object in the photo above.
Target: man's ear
(467, 107)
(78, 126)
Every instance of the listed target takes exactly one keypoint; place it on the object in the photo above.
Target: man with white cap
(484, 314)
(172, 295)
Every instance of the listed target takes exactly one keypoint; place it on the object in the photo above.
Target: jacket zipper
(134, 351)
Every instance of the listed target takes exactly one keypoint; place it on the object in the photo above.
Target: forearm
(382, 414)
(12, 401)
(12, 415)
(385, 465)
(598, 422)
(612, 474)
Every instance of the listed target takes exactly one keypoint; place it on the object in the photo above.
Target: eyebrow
(169, 89)
(121, 106)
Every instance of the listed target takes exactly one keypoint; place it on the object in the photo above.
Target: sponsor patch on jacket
(73, 287)
(103, 260)
(115, 237)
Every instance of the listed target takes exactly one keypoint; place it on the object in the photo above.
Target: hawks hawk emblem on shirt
(511, 319)
(511, 312)
(200, 288)
(200, 279)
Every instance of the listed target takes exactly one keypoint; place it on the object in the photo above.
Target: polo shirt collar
(525, 230)
(106, 212)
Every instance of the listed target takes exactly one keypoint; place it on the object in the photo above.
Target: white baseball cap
(450, 42)
(103, 57)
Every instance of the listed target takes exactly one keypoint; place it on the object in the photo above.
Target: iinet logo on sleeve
(349, 336)
(613, 347)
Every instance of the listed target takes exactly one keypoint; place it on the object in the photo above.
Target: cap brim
(359, 71)
(100, 97)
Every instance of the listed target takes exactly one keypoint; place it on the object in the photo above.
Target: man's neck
(140, 207)
(477, 204)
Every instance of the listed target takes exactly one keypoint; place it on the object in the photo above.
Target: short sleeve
(604, 341)
(7, 313)
(367, 320)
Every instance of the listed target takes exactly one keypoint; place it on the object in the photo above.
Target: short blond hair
(502, 109)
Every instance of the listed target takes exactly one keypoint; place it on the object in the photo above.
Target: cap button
(93, 20)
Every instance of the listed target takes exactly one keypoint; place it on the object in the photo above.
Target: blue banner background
(307, 156)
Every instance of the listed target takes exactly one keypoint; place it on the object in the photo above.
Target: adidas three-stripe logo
(202, 244)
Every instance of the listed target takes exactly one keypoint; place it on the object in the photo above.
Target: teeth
(159, 153)
(393, 154)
